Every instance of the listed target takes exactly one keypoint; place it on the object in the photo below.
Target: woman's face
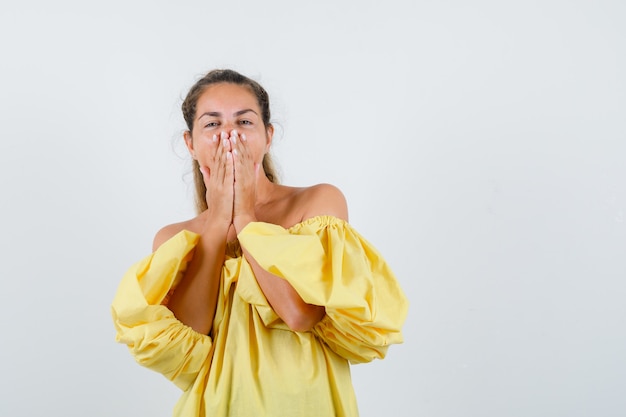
(226, 107)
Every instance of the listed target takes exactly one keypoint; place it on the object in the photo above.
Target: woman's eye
(211, 124)
(245, 122)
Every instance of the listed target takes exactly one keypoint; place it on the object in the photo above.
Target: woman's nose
(228, 127)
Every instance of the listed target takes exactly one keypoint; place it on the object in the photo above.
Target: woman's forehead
(227, 94)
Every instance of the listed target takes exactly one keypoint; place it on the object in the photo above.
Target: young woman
(256, 306)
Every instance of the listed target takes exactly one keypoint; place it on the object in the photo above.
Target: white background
(481, 146)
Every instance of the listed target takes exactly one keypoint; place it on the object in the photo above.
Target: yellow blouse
(251, 363)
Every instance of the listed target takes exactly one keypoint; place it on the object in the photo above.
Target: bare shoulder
(166, 232)
(324, 199)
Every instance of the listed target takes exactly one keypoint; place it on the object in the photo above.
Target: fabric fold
(330, 264)
(155, 338)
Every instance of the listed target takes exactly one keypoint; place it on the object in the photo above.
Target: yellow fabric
(252, 364)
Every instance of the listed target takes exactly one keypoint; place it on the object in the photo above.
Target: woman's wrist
(214, 227)
(241, 221)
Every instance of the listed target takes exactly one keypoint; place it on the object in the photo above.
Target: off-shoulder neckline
(234, 248)
(323, 219)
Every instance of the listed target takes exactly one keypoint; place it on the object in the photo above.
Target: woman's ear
(269, 135)
(189, 143)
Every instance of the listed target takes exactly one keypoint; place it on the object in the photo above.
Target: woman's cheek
(256, 145)
(255, 139)
(201, 154)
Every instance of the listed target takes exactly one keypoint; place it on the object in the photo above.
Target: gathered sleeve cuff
(156, 338)
(330, 264)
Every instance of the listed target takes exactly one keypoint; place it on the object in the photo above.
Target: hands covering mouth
(230, 174)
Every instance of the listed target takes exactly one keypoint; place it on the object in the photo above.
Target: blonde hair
(189, 113)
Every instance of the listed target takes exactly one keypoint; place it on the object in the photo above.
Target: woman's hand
(246, 171)
(219, 179)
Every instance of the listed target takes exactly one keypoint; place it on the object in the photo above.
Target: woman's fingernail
(214, 138)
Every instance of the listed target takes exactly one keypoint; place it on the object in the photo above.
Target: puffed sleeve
(153, 335)
(330, 264)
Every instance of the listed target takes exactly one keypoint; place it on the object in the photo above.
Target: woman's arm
(194, 300)
(323, 199)
(284, 300)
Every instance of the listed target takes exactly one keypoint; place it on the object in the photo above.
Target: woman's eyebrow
(209, 113)
(240, 112)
